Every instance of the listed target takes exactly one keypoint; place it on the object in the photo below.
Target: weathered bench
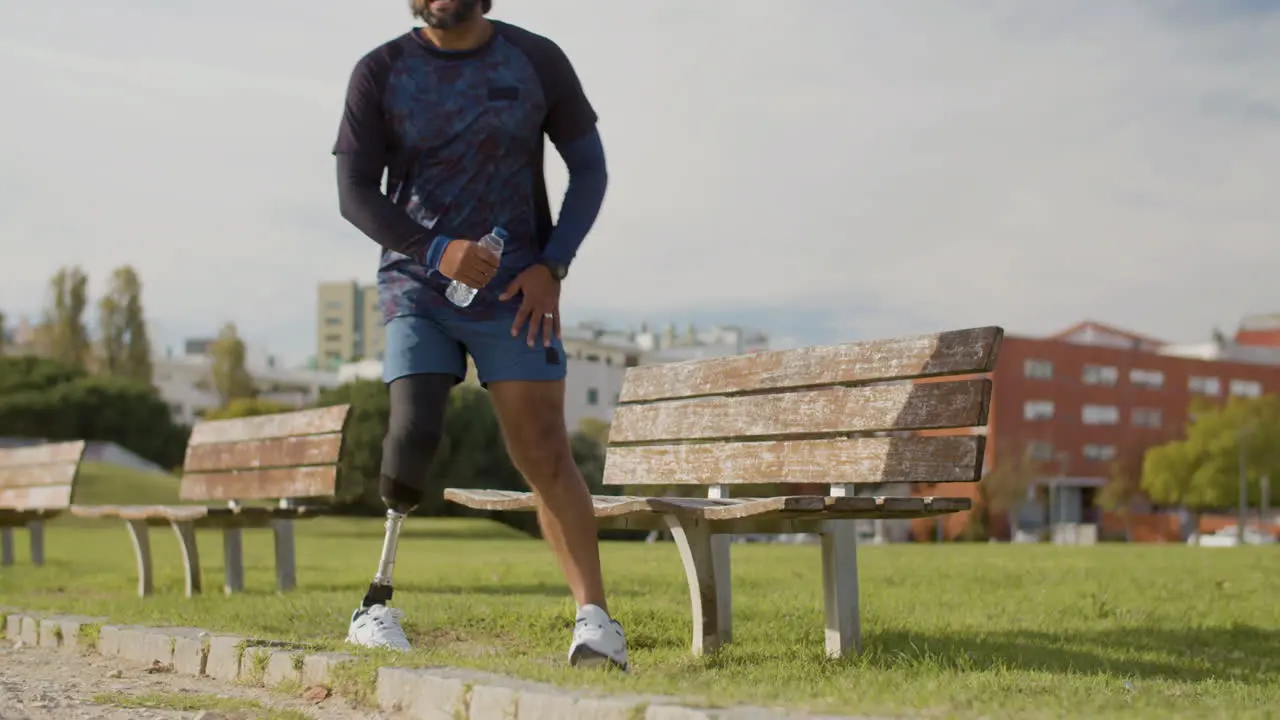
(840, 416)
(35, 485)
(285, 458)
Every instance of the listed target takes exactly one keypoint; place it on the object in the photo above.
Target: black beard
(463, 11)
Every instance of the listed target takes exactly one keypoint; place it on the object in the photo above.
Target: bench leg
(186, 533)
(6, 546)
(286, 564)
(840, 588)
(233, 560)
(141, 538)
(708, 575)
(36, 529)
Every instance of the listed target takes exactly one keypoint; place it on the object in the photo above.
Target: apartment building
(348, 324)
(1080, 399)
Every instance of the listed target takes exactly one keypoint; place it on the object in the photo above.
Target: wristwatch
(558, 271)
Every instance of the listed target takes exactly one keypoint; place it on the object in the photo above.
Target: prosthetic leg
(381, 589)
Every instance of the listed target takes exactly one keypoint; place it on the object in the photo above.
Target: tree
(126, 349)
(1124, 486)
(230, 378)
(4, 333)
(64, 332)
(1006, 486)
(595, 428)
(1202, 472)
(47, 399)
(247, 407)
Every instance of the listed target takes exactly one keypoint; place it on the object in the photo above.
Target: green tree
(4, 333)
(45, 398)
(1124, 486)
(362, 442)
(230, 379)
(596, 429)
(64, 332)
(1005, 487)
(126, 349)
(1202, 472)
(247, 407)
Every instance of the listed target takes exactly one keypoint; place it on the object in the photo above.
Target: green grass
(103, 484)
(191, 703)
(951, 631)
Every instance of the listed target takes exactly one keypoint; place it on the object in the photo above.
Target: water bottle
(462, 295)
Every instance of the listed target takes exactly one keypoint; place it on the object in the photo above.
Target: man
(455, 112)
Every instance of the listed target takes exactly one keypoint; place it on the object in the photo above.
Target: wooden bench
(840, 416)
(285, 458)
(35, 485)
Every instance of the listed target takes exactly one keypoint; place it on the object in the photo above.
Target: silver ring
(549, 316)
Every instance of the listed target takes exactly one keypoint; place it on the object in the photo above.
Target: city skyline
(908, 169)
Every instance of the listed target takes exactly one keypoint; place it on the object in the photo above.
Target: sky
(828, 170)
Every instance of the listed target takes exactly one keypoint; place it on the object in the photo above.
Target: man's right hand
(469, 263)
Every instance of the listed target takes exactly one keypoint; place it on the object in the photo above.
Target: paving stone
(72, 628)
(109, 640)
(50, 632)
(191, 653)
(223, 662)
(493, 702)
(422, 694)
(13, 626)
(675, 712)
(283, 666)
(133, 644)
(317, 668)
(30, 630)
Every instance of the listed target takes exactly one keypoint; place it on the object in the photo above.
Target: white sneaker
(597, 640)
(378, 626)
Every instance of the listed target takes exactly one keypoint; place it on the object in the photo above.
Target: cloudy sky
(827, 169)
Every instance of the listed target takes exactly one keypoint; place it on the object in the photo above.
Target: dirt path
(40, 684)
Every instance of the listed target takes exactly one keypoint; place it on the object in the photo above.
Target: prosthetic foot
(373, 624)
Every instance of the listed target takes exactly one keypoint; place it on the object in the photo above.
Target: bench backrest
(835, 415)
(290, 455)
(39, 477)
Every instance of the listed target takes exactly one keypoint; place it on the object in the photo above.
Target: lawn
(951, 631)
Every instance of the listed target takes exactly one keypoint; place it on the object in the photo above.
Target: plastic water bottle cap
(500, 234)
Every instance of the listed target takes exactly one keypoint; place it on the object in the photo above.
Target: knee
(543, 456)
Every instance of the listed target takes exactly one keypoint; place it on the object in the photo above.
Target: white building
(185, 383)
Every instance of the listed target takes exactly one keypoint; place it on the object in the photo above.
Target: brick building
(1079, 399)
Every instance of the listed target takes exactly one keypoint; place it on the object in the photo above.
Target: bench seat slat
(46, 454)
(36, 497)
(273, 453)
(317, 421)
(189, 513)
(301, 482)
(823, 411)
(24, 476)
(811, 507)
(831, 461)
(960, 352)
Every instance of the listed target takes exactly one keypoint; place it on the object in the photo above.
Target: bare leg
(532, 418)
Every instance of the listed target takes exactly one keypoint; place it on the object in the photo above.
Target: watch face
(558, 271)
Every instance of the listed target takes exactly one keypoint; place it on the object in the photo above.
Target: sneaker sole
(584, 657)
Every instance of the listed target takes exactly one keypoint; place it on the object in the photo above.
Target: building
(1092, 394)
(1259, 331)
(185, 383)
(348, 324)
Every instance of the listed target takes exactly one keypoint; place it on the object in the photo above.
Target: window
(1099, 453)
(1210, 386)
(1150, 379)
(1037, 410)
(593, 396)
(1038, 369)
(1100, 375)
(1100, 414)
(333, 305)
(332, 338)
(1246, 388)
(332, 321)
(1040, 451)
(1148, 417)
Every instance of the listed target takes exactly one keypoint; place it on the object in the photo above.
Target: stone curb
(425, 693)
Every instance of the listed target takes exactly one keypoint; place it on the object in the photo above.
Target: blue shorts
(440, 340)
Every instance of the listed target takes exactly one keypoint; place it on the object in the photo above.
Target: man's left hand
(541, 304)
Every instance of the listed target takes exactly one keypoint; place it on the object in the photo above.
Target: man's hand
(469, 263)
(541, 304)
